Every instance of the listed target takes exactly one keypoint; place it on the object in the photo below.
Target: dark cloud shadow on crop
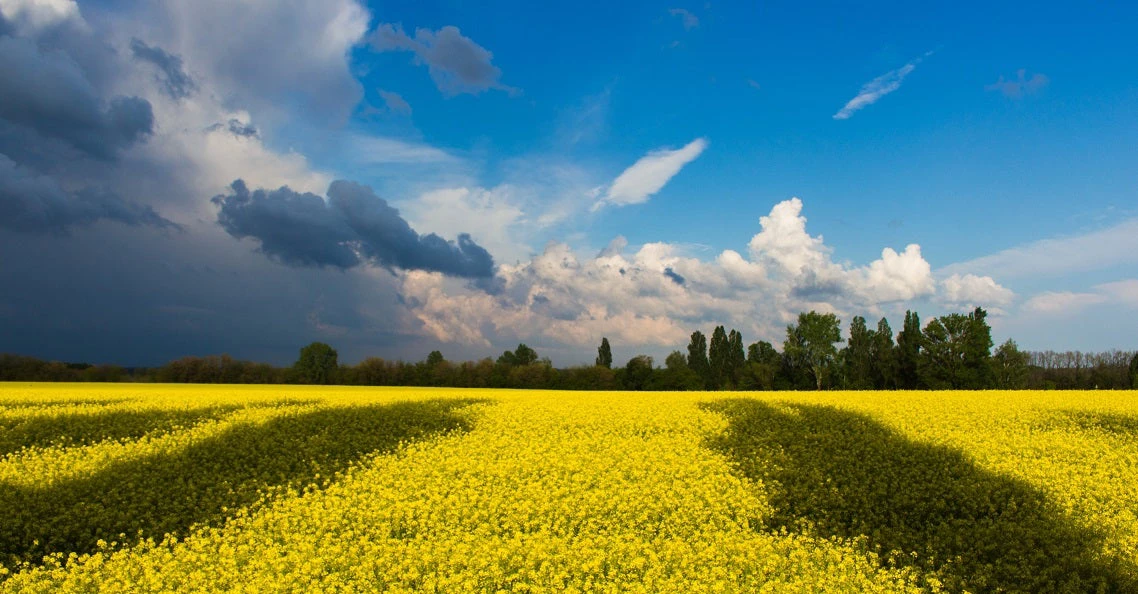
(80, 428)
(837, 473)
(168, 494)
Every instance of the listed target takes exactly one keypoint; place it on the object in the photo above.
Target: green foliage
(1134, 372)
(810, 346)
(317, 364)
(718, 355)
(736, 357)
(435, 359)
(697, 357)
(637, 373)
(883, 356)
(956, 352)
(1009, 367)
(604, 354)
(908, 352)
(857, 357)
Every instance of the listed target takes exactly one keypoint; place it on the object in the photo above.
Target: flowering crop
(296, 489)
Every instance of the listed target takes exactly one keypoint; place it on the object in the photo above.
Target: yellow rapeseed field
(159, 488)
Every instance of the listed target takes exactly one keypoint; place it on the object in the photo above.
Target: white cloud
(1055, 302)
(877, 88)
(378, 149)
(1097, 250)
(40, 14)
(690, 21)
(970, 290)
(491, 217)
(561, 297)
(649, 174)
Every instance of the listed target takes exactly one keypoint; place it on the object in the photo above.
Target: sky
(191, 177)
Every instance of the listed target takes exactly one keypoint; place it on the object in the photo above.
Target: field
(125, 488)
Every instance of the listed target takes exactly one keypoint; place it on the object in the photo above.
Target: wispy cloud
(877, 88)
(456, 63)
(649, 174)
(395, 102)
(689, 20)
(1015, 89)
(377, 149)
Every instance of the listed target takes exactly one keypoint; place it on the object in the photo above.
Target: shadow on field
(207, 481)
(86, 427)
(838, 473)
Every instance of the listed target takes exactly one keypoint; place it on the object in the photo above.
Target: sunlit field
(126, 488)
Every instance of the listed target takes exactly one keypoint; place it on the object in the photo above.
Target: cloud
(970, 290)
(354, 226)
(237, 128)
(39, 14)
(648, 175)
(378, 149)
(656, 295)
(1071, 303)
(34, 203)
(1095, 250)
(456, 63)
(877, 88)
(176, 82)
(395, 102)
(690, 21)
(50, 94)
(1016, 89)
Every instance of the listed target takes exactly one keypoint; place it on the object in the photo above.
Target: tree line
(953, 351)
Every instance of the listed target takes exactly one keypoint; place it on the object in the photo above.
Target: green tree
(676, 375)
(762, 365)
(434, 359)
(858, 356)
(637, 373)
(718, 356)
(942, 361)
(524, 355)
(736, 356)
(317, 364)
(604, 354)
(908, 352)
(811, 345)
(1009, 366)
(883, 357)
(978, 351)
(697, 357)
(1134, 372)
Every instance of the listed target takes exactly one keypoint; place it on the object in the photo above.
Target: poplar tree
(604, 354)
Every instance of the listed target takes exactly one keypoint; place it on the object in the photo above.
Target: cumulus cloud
(395, 102)
(657, 294)
(175, 81)
(39, 14)
(648, 175)
(969, 290)
(1069, 303)
(877, 88)
(455, 62)
(1020, 86)
(353, 227)
(689, 20)
(35, 203)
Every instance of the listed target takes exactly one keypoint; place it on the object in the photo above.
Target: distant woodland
(953, 351)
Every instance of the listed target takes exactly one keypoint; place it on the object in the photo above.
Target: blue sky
(998, 139)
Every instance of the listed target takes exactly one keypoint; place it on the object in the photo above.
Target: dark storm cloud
(175, 81)
(456, 63)
(48, 92)
(237, 128)
(675, 276)
(353, 227)
(35, 203)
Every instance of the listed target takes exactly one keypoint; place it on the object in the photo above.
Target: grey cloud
(176, 82)
(676, 278)
(35, 203)
(1020, 86)
(354, 226)
(49, 93)
(237, 128)
(456, 63)
(395, 102)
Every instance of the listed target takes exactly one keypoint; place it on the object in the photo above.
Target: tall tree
(942, 360)
(762, 366)
(676, 374)
(435, 359)
(858, 359)
(736, 356)
(697, 357)
(978, 351)
(811, 343)
(1134, 372)
(1009, 366)
(604, 354)
(524, 355)
(718, 356)
(908, 352)
(884, 364)
(317, 364)
(637, 373)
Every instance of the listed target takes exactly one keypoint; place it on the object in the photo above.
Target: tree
(736, 356)
(883, 357)
(717, 356)
(942, 362)
(638, 373)
(522, 356)
(762, 365)
(697, 357)
(1009, 366)
(316, 365)
(434, 359)
(908, 352)
(604, 354)
(858, 359)
(811, 345)
(1134, 372)
(978, 351)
